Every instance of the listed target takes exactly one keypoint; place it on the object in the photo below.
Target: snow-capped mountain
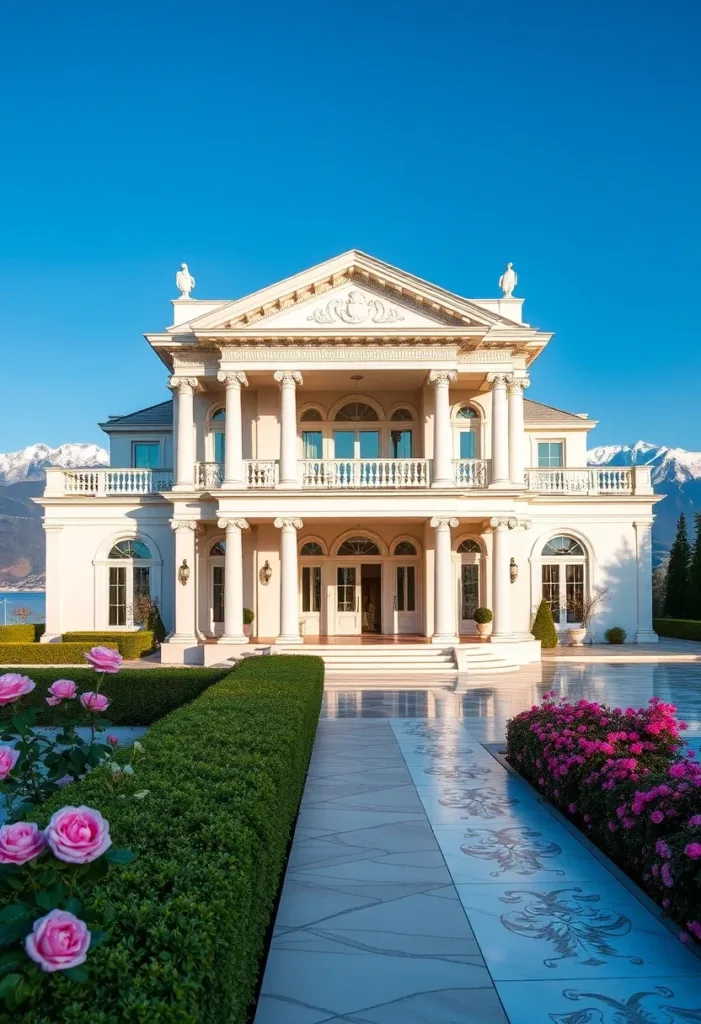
(676, 473)
(30, 463)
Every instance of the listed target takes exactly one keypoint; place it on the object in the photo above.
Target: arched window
(401, 414)
(405, 547)
(129, 597)
(312, 547)
(358, 546)
(563, 547)
(468, 422)
(217, 435)
(469, 547)
(218, 548)
(220, 414)
(311, 416)
(356, 412)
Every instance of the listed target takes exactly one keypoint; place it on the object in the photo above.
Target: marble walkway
(427, 885)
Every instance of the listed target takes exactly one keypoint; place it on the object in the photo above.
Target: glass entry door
(405, 611)
(563, 589)
(216, 590)
(348, 600)
(469, 596)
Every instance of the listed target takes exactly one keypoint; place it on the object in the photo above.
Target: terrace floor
(428, 885)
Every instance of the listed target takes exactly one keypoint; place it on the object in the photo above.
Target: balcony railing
(581, 481)
(470, 472)
(99, 482)
(322, 474)
(261, 473)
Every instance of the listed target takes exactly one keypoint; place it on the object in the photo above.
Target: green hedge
(679, 629)
(130, 645)
(190, 916)
(139, 696)
(21, 633)
(46, 654)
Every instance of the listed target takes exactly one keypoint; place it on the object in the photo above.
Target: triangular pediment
(350, 291)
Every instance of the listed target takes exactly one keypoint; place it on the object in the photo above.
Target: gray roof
(154, 416)
(536, 412)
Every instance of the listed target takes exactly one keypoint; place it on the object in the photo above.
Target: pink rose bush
(104, 659)
(13, 686)
(78, 834)
(8, 760)
(21, 842)
(62, 689)
(58, 941)
(627, 779)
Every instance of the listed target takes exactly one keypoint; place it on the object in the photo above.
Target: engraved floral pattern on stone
(628, 1011)
(483, 802)
(521, 850)
(458, 774)
(571, 922)
(441, 753)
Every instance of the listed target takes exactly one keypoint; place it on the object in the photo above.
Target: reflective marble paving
(426, 885)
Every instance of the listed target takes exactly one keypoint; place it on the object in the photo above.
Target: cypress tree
(543, 628)
(677, 594)
(694, 609)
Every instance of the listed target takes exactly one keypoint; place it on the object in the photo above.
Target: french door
(348, 600)
(216, 596)
(469, 596)
(405, 610)
(563, 589)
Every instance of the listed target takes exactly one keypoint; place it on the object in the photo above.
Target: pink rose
(657, 817)
(94, 701)
(78, 834)
(103, 659)
(13, 686)
(113, 740)
(693, 850)
(20, 842)
(58, 941)
(62, 689)
(8, 760)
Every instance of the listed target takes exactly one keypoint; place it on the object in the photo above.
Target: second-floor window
(146, 455)
(468, 425)
(550, 454)
(217, 427)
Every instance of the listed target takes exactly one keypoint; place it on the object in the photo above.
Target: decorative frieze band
(288, 524)
(232, 524)
(233, 380)
(352, 352)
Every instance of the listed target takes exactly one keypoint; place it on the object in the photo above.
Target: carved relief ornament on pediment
(355, 308)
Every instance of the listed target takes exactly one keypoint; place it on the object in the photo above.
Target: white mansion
(349, 451)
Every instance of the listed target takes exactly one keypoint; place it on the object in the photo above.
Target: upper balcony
(323, 475)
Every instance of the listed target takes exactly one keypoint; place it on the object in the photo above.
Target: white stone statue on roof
(508, 281)
(185, 281)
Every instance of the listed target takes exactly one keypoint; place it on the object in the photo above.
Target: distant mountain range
(676, 473)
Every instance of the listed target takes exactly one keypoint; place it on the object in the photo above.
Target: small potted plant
(248, 618)
(583, 611)
(483, 620)
(615, 635)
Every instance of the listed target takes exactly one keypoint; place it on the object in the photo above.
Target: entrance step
(382, 662)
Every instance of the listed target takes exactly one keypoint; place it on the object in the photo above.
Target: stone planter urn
(577, 636)
(484, 630)
(247, 628)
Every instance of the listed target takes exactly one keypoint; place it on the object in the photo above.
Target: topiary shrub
(482, 616)
(19, 633)
(131, 645)
(48, 654)
(543, 628)
(155, 624)
(615, 635)
(248, 616)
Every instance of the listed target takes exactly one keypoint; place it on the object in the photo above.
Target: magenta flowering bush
(627, 779)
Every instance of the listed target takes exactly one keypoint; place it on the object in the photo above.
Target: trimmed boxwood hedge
(678, 629)
(130, 645)
(21, 633)
(190, 916)
(47, 654)
(139, 696)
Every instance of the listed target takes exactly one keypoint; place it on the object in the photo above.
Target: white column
(500, 430)
(644, 633)
(183, 389)
(54, 579)
(289, 617)
(288, 426)
(233, 427)
(185, 631)
(517, 442)
(501, 576)
(442, 440)
(444, 601)
(233, 581)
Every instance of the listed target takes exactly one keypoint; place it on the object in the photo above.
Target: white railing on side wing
(365, 473)
(260, 473)
(580, 481)
(470, 472)
(116, 481)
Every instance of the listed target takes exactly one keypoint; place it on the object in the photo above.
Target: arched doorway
(130, 589)
(216, 583)
(563, 579)
(470, 583)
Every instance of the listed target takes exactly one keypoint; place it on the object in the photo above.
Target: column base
(183, 638)
(510, 638)
(445, 638)
(233, 638)
(646, 636)
(504, 482)
(182, 652)
(185, 487)
(233, 485)
(292, 638)
(287, 484)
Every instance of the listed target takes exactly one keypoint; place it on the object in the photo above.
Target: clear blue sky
(253, 140)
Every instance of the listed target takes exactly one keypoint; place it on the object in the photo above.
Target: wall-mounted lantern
(513, 570)
(266, 573)
(184, 572)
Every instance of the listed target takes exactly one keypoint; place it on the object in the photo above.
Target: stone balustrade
(608, 480)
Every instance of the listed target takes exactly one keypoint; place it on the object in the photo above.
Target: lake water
(11, 599)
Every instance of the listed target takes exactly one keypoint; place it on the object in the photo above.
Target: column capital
(444, 522)
(515, 384)
(183, 385)
(499, 380)
(233, 524)
(642, 524)
(288, 378)
(442, 377)
(288, 523)
(503, 523)
(187, 524)
(233, 380)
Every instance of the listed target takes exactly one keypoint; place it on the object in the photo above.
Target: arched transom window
(469, 547)
(312, 547)
(401, 414)
(311, 416)
(357, 412)
(563, 547)
(129, 599)
(468, 424)
(358, 546)
(563, 576)
(405, 547)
